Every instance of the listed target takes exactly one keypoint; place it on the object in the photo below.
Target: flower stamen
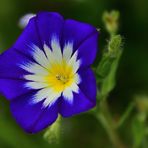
(63, 79)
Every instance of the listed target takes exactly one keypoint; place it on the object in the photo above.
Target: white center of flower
(54, 73)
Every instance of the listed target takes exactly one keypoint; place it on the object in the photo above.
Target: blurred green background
(84, 131)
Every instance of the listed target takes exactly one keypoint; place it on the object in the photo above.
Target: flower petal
(28, 37)
(11, 89)
(9, 64)
(32, 117)
(76, 32)
(12, 75)
(79, 104)
(49, 24)
(88, 84)
(88, 50)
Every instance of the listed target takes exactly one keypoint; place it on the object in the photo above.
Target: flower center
(60, 76)
(63, 79)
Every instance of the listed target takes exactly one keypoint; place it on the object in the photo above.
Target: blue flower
(47, 71)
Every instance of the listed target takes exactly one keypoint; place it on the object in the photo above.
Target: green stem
(106, 72)
(106, 120)
(126, 115)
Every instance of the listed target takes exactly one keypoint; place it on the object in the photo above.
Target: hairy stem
(106, 120)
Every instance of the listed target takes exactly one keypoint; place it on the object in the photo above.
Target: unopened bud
(52, 135)
(111, 21)
(24, 20)
(142, 103)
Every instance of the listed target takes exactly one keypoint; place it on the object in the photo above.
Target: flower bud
(52, 134)
(142, 103)
(111, 21)
(24, 20)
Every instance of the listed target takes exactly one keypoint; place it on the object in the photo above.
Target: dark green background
(83, 131)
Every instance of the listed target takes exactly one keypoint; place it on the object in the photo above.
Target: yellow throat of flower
(60, 76)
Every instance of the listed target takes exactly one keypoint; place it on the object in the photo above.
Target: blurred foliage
(132, 75)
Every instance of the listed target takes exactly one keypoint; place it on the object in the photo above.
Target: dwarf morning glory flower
(47, 71)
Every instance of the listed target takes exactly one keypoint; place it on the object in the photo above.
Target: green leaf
(104, 66)
(106, 70)
(110, 80)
